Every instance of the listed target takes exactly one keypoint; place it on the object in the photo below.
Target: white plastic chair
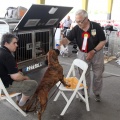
(75, 92)
(8, 97)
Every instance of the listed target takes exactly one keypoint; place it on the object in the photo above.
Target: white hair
(82, 12)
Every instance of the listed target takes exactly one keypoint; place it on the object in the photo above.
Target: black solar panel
(42, 16)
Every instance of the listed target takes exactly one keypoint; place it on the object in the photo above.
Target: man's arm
(19, 76)
(100, 45)
(64, 41)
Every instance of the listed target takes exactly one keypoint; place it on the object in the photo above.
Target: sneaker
(97, 98)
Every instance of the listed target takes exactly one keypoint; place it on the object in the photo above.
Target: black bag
(109, 27)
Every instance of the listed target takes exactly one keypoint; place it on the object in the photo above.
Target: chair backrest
(80, 64)
(8, 97)
(83, 66)
(2, 88)
(76, 63)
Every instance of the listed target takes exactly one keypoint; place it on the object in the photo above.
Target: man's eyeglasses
(81, 22)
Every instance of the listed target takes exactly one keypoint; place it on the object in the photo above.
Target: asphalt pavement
(107, 109)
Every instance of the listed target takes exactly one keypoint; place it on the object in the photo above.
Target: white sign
(32, 67)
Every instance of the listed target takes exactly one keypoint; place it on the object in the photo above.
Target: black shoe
(97, 98)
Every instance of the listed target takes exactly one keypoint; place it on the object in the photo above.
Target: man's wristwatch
(95, 50)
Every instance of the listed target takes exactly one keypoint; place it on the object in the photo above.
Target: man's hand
(64, 41)
(26, 78)
(90, 55)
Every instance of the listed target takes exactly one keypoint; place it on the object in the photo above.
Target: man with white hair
(90, 39)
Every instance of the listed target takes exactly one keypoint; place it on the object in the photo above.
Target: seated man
(13, 80)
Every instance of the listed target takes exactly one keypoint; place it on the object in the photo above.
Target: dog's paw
(68, 85)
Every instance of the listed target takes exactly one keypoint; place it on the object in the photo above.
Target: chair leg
(9, 99)
(68, 103)
(77, 95)
(0, 93)
(86, 97)
(86, 101)
(58, 94)
(81, 97)
(64, 96)
(65, 108)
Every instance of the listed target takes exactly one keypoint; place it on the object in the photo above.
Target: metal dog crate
(32, 49)
(35, 33)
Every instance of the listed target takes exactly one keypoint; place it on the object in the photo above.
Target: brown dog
(53, 74)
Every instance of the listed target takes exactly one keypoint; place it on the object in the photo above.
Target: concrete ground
(107, 109)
